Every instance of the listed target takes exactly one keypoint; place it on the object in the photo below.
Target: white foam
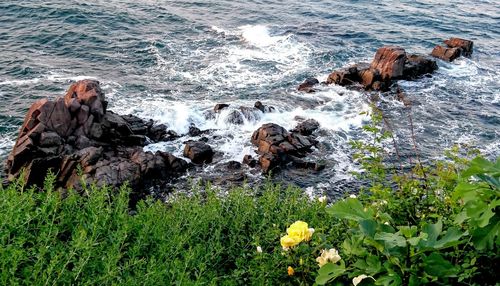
(50, 77)
(6, 144)
(259, 58)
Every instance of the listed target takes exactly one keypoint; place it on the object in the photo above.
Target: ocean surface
(173, 60)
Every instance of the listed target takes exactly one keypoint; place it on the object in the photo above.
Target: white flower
(311, 231)
(259, 249)
(352, 196)
(331, 255)
(386, 223)
(322, 199)
(356, 280)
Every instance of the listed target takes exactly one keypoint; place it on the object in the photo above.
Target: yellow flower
(290, 271)
(331, 255)
(299, 230)
(356, 280)
(288, 241)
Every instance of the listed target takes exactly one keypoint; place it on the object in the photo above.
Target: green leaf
(391, 240)
(451, 238)
(484, 238)
(329, 272)
(350, 209)
(368, 227)
(436, 266)
(430, 233)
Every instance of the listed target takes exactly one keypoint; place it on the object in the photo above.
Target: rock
(389, 61)
(465, 46)
(233, 165)
(269, 162)
(308, 84)
(74, 105)
(198, 152)
(417, 65)
(218, 107)
(78, 131)
(50, 139)
(175, 165)
(276, 146)
(344, 76)
(258, 105)
(250, 161)
(306, 127)
(447, 54)
(194, 131)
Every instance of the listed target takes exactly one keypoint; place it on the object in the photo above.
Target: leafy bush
(436, 225)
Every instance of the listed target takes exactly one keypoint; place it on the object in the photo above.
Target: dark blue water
(173, 60)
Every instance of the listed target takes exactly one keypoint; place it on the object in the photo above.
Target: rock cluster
(456, 47)
(75, 135)
(392, 63)
(278, 147)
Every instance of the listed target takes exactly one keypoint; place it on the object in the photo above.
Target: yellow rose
(299, 230)
(289, 241)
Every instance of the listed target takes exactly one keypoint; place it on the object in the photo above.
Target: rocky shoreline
(81, 141)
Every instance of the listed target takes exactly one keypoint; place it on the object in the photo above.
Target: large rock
(77, 130)
(465, 46)
(417, 65)
(456, 47)
(446, 54)
(277, 147)
(389, 61)
(199, 152)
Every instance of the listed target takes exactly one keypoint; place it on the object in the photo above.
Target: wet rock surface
(278, 147)
(76, 136)
(392, 63)
(455, 47)
(198, 152)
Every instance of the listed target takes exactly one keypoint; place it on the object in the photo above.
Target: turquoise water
(173, 60)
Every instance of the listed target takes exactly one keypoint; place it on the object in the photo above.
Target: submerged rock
(308, 84)
(76, 136)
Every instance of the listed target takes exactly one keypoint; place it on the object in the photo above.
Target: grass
(193, 240)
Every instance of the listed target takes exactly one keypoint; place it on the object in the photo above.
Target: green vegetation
(436, 225)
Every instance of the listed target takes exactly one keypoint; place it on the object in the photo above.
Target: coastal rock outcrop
(77, 136)
(393, 63)
(390, 63)
(278, 147)
(456, 47)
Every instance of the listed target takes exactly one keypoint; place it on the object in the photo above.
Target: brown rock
(60, 118)
(306, 127)
(269, 162)
(198, 152)
(50, 139)
(85, 91)
(447, 54)
(308, 84)
(465, 46)
(249, 160)
(175, 165)
(417, 65)
(344, 76)
(389, 61)
(74, 105)
(218, 107)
